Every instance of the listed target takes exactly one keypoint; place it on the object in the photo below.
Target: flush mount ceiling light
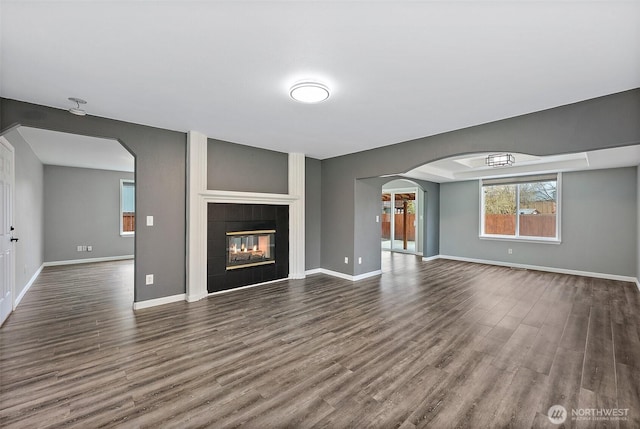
(309, 92)
(500, 160)
(77, 110)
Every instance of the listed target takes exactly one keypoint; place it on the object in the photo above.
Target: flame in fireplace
(243, 248)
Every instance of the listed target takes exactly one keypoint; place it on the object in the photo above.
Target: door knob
(14, 239)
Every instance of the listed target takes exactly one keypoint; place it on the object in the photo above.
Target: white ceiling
(71, 150)
(473, 166)
(398, 70)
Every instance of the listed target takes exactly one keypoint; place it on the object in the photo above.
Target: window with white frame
(127, 207)
(526, 208)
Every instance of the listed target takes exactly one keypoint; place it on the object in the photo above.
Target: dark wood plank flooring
(439, 344)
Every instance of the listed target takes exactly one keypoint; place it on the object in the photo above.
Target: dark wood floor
(439, 344)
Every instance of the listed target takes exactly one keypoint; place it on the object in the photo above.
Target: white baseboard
(345, 276)
(314, 271)
(87, 261)
(541, 268)
(366, 275)
(431, 258)
(159, 301)
(27, 286)
(638, 284)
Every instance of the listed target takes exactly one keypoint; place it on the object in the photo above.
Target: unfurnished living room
(320, 214)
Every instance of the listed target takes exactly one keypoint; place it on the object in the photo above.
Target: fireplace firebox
(250, 248)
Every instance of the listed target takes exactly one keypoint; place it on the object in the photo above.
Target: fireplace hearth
(246, 244)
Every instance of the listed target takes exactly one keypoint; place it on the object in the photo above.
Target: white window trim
(124, 233)
(526, 239)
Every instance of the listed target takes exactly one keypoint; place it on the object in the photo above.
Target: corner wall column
(296, 216)
(196, 216)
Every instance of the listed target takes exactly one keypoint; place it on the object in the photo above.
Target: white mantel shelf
(247, 197)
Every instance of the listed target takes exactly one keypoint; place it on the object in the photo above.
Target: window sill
(537, 240)
(127, 234)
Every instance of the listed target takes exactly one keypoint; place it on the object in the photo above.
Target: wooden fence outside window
(128, 222)
(400, 227)
(531, 225)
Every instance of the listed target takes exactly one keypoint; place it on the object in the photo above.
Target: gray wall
(599, 123)
(234, 167)
(431, 224)
(367, 206)
(28, 215)
(160, 187)
(312, 213)
(82, 207)
(338, 216)
(598, 231)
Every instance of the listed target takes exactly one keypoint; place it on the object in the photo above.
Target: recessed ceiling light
(309, 92)
(77, 110)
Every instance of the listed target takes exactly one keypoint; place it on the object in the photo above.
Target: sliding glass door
(399, 225)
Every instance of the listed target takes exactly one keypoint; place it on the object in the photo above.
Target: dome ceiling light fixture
(309, 92)
(77, 110)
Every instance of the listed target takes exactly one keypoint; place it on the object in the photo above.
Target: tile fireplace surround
(224, 220)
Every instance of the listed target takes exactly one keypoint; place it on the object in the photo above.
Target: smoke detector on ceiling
(77, 110)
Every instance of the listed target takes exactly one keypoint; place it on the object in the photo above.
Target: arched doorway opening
(74, 204)
(402, 217)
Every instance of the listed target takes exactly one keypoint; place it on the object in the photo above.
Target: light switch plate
(149, 279)
(149, 220)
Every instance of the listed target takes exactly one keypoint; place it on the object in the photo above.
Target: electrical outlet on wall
(346, 259)
(89, 248)
(359, 260)
(79, 248)
(149, 279)
(510, 251)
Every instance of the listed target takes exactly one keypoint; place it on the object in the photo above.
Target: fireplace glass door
(250, 248)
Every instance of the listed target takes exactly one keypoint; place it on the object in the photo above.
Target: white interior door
(6, 239)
